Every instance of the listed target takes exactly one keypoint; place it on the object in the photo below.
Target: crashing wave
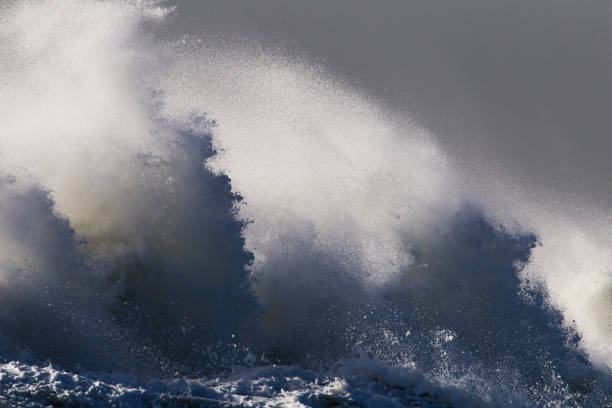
(170, 208)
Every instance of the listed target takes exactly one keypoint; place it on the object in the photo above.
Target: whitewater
(192, 222)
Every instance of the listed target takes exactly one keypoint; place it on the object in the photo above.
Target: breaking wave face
(174, 206)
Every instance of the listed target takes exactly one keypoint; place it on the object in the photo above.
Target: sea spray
(170, 207)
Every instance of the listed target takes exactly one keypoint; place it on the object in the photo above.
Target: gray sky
(526, 84)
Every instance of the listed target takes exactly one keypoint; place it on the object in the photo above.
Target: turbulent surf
(188, 222)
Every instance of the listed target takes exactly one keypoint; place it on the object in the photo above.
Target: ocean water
(189, 222)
